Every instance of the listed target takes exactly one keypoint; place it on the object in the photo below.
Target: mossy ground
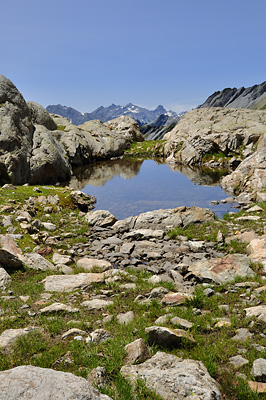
(214, 346)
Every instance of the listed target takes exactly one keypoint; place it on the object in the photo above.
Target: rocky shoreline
(76, 281)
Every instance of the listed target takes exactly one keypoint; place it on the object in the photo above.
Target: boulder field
(168, 304)
(36, 147)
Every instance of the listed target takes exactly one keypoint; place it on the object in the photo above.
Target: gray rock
(137, 352)
(9, 336)
(5, 278)
(184, 323)
(101, 218)
(242, 335)
(9, 261)
(221, 270)
(167, 337)
(259, 369)
(238, 361)
(89, 263)
(61, 259)
(34, 383)
(38, 262)
(174, 378)
(40, 116)
(16, 134)
(125, 318)
(68, 283)
(58, 307)
(48, 162)
(84, 201)
(99, 336)
(73, 332)
(257, 312)
(98, 377)
(96, 304)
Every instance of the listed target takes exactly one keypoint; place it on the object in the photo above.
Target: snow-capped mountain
(141, 115)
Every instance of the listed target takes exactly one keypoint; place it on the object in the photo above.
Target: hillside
(252, 97)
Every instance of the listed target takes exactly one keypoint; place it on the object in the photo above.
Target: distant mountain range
(253, 97)
(141, 115)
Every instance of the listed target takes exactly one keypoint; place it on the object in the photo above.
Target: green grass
(146, 149)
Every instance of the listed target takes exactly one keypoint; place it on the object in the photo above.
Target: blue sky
(85, 54)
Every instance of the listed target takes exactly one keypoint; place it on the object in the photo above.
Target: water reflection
(128, 187)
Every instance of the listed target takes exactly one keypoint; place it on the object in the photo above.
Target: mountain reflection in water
(128, 187)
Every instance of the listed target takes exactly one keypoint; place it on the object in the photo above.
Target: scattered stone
(174, 299)
(174, 378)
(88, 264)
(43, 383)
(184, 323)
(96, 304)
(126, 318)
(238, 361)
(36, 261)
(257, 386)
(73, 332)
(98, 377)
(49, 226)
(257, 311)
(101, 218)
(99, 336)
(242, 335)
(223, 322)
(68, 283)
(137, 352)
(5, 278)
(167, 337)
(58, 307)
(9, 336)
(259, 369)
(61, 259)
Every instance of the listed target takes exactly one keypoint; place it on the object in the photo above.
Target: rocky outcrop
(16, 136)
(251, 97)
(33, 383)
(214, 131)
(36, 148)
(249, 176)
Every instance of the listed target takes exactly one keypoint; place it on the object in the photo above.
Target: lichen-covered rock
(174, 378)
(32, 383)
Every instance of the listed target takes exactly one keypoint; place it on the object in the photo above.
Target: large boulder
(174, 378)
(32, 383)
(48, 162)
(16, 134)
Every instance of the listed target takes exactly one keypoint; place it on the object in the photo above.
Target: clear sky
(88, 53)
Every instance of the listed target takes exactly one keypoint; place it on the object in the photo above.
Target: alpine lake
(132, 186)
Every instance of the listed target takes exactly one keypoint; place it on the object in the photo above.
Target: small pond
(128, 187)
